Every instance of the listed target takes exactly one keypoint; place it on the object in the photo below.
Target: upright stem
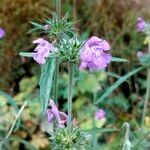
(147, 92)
(94, 139)
(70, 89)
(56, 74)
(58, 9)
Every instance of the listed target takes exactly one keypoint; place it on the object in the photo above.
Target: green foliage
(9, 99)
(145, 60)
(46, 82)
(55, 27)
(69, 49)
(26, 54)
(26, 85)
(102, 130)
(118, 102)
(66, 139)
(116, 59)
(92, 82)
(117, 83)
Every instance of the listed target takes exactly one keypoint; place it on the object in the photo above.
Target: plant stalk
(16, 118)
(58, 9)
(94, 139)
(147, 92)
(70, 90)
(56, 74)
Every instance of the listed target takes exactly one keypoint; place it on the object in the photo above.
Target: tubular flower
(43, 50)
(53, 112)
(2, 33)
(93, 54)
(141, 24)
(100, 114)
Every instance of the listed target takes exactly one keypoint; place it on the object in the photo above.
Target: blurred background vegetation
(113, 20)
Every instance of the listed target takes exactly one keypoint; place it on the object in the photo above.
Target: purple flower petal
(50, 115)
(42, 50)
(63, 117)
(2, 33)
(60, 117)
(39, 41)
(100, 114)
(93, 41)
(93, 55)
(83, 65)
(141, 24)
(86, 53)
(104, 45)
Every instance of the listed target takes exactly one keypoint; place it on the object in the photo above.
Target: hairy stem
(58, 9)
(16, 118)
(147, 92)
(94, 139)
(56, 74)
(70, 89)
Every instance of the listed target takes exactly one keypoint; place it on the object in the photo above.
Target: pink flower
(141, 24)
(100, 114)
(93, 54)
(53, 112)
(43, 50)
(2, 33)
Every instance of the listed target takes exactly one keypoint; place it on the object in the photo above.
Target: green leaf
(145, 60)
(112, 74)
(46, 82)
(10, 100)
(37, 25)
(118, 83)
(26, 54)
(116, 59)
(102, 130)
(91, 83)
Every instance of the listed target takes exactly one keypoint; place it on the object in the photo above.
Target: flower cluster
(93, 54)
(53, 112)
(141, 24)
(2, 33)
(42, 51)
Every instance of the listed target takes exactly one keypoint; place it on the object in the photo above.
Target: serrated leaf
(117, 59)
(26, 54)
(118, 83)
(46, 82)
